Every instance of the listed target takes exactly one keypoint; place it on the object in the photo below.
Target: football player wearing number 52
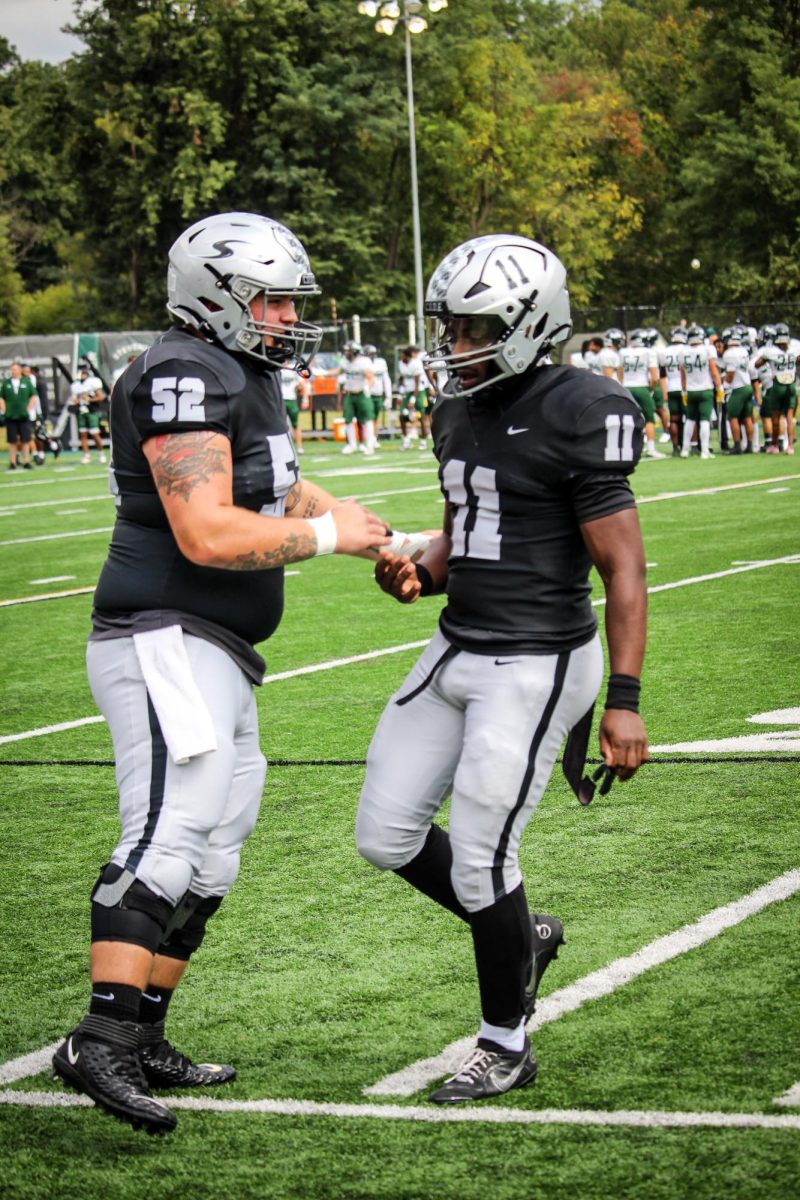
(210, 509)
(534, 461)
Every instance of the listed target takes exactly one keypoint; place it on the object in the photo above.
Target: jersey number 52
(181, 398)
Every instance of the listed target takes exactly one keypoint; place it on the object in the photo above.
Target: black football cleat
(489, 1071)
(100, 1058)
(166, 1067)
(547, 934)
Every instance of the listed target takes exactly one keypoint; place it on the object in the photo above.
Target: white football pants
(486, 728)
(182, 826)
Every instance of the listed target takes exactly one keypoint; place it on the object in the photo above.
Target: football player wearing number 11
(534, 462)
(210, 508)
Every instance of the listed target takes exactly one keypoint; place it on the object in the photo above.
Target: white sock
(756, 437)
(651, 445)
(509, 1039)
(688, 430)
(369, 435)
(350, 430)
(705, 436)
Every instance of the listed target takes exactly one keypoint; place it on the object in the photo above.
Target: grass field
(320, 978)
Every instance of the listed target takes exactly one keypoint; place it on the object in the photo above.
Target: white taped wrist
(325, 532)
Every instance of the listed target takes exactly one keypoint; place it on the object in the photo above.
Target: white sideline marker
(790, 1099)
(429, 1114)
(600, 983)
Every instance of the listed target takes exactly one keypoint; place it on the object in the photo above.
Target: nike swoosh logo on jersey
(511, 430)
(505, 662)
(72, 1055)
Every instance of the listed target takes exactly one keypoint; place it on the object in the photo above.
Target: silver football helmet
(218, 266)
(614, 337)
(504, 294)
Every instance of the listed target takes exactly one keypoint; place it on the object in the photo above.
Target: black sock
(429, 872)
(501, 935)
(155, 1002)
(117, 1000)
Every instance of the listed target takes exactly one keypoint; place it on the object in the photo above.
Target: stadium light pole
(409, 13)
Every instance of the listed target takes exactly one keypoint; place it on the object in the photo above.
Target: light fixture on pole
(389, 15)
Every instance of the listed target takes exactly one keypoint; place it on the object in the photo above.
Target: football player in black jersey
(210, 508)
(534, 462)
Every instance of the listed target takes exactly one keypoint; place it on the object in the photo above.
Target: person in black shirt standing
(534, 462)
(210, 508)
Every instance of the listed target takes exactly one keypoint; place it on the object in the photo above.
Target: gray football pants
(488, 730)
(182, 826)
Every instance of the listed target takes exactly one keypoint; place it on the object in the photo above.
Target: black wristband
(623, 692)
(425, 579)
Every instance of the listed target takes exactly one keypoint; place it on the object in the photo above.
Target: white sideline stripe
(47, 596)
(712, 491)
(54, 537)
(430, 487)
(28, 505)
(600, 983)
(438, 1116)
(791, 1098)
(343, 662)
(19, 737)
(311, 670)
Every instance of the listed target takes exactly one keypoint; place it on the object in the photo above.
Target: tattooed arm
(307, 500)
(193, 473)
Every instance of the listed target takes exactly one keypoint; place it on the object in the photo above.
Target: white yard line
(310, 670)
(343, 662)
(712, 491)
(55, 537)
(46, 596)
(27, 505)
(414, 1077)
(430, 1114)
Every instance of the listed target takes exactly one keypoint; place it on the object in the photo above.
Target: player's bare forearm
(615, 544)
(193, 473)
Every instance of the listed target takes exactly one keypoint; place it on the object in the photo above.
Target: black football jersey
(183, 384)
(522, 469)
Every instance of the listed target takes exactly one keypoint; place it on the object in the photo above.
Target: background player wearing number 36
(210, 508)
(534, 462)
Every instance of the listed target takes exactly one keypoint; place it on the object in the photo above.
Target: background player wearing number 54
(533, 463)
(210, 508)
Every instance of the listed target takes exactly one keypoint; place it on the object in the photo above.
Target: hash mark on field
(600, 983)
(791, 1098)
(438, 1116)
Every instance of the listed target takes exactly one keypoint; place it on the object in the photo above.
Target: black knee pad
(125, 910)
(187, 929)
